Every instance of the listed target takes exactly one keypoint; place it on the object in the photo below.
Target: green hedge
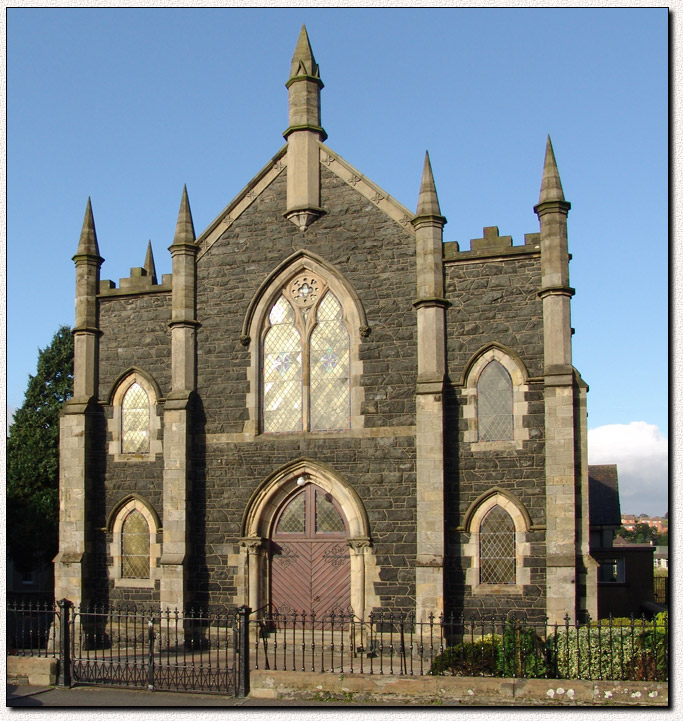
(615, 649)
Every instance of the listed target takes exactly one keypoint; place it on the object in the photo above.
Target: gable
(329, 160)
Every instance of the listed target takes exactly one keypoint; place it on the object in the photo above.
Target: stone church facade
(326, 407)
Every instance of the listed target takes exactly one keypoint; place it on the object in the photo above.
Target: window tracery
(306, 360)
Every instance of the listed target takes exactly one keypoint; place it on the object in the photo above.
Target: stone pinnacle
(149, 266)
(87, 245)
(551, 185)
(428, 201)
(184, 229)
(303, 62)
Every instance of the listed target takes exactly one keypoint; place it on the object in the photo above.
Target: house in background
(625, 570)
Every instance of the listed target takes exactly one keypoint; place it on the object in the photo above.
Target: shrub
(615, 649)
(522, 653)
(470, 658)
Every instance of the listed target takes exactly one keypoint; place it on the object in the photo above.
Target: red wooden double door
(310, 569)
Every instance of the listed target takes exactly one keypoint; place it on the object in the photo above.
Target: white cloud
(642, 457)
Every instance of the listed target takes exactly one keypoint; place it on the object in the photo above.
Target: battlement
(139, 281)
(492, 244)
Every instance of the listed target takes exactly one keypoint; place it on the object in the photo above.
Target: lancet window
(494, 403)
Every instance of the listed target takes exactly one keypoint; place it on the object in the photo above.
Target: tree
(643, 533)
(33, 456)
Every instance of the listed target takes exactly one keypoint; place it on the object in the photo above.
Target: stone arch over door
(264, 509)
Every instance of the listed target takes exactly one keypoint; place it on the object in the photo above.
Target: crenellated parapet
(141, 280)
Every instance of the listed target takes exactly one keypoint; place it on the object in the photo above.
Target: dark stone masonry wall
(494, 301)
(372, 251)
(381, 470)
(377, 257)
(134, 333)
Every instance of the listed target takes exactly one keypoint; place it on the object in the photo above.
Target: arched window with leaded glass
(494, 404)
(497, 561)
(306, 360)
(282, 365)
(134, 550)
(135, 546)
(329, 367)
(135, 420)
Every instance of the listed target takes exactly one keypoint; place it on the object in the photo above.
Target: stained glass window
(497, 547)
(329, 359)
(327, 518)
(135, 420)
(135, 546)
(494, 397)
(293, 518)
(282, 365)
(306, 355)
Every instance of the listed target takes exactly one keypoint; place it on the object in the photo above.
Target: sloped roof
(603, 496)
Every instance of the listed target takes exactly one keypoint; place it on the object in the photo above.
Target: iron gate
(138, 648)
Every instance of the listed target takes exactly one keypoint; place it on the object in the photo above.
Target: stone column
(78, 428)
(560, 421)
(358, 548)
(588, 567)
(255, 548)
(431, 368)
(177, 415)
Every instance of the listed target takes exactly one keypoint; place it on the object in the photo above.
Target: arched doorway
(310, 568)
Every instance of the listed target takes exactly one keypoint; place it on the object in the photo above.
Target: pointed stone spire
(428, 201)
(304, 135)
(184, 229)
(303, 62)
(87, 245)
(551, 185)
(149, 266)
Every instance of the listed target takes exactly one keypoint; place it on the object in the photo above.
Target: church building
(325, 407)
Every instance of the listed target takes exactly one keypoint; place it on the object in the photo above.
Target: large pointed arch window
(306, 360)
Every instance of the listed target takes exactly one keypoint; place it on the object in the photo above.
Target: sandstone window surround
(494, 390)
(497, 525)
(134, 550)
(304, 327)
(135, 426)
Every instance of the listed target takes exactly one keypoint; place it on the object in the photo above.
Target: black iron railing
(33, 628)
(214, 652)
(398, 644)
(136, 646)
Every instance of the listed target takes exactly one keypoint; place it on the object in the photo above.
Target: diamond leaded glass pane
(135, 546)
(329, 359)
(327, 519)
(135, 420)
(494, 396)
(293, 518)
(282, 389)
(497, 547)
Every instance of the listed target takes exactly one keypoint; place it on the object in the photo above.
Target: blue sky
(125, 106)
